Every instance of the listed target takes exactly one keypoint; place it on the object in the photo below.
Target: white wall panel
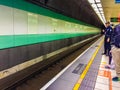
(44, 25)
(68, 27)
(41, 24)
(16, 21)
(61, 26)
(54, 25)
(72, 29)
(20, 22)
(48, 25)
(6, 20)
(32, 23)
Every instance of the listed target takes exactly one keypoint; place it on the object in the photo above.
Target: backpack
(117, 36)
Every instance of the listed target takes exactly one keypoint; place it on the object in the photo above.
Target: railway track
(38, 80)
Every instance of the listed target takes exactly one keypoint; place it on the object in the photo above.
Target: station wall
(28, 31)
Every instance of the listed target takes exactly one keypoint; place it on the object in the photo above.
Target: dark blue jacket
(108, 32)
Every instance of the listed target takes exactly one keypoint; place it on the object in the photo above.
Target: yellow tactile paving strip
(77, 85)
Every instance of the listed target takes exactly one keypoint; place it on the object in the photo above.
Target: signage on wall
(115, 19)
(117, 1)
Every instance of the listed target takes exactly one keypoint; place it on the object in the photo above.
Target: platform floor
(104, 78)
(86, 72)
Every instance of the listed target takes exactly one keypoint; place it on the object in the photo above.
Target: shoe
(107, 54)
(116, 78)
(103, 53)
(112, 68)
(107, 67)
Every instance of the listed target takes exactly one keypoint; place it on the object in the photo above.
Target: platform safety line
(82, 76)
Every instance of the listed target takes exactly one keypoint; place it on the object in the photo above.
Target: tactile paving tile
(79, 69)
(88, 82)
(92, 73)
(86, 88)
(90, 79)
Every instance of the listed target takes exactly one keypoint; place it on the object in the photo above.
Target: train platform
(86, 72)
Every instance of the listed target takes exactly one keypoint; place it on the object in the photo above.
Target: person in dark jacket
(102, 29)
(107, 40)
(116, 51)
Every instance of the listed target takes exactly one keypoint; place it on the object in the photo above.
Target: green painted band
(8, 41)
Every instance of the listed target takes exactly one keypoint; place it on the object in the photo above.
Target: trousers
(116, 57)
(107, 46)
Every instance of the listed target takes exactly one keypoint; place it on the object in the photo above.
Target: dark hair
(107, 23)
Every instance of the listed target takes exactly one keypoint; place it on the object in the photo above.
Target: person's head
(107, 24)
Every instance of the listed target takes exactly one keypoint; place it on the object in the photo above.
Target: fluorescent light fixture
(101, 9)
(101, 13)
(97, 1)
(97, 11)
(91, 1)
(99, 5)
(96, 5)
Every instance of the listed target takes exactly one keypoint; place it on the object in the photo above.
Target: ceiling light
(96, 5)
(101, 13)
(96, 10)
(97, 0)
(99, 5)
(91, 1)
(100, 9)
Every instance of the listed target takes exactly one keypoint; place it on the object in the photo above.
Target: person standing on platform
(116, 51)
(102, 29)
(107, 40)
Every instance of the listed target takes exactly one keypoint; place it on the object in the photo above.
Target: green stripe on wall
(24, 5)
(7, 41)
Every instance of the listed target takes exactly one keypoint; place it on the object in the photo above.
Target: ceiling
(111, 9)
(78, 9)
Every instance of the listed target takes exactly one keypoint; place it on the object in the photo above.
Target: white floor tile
(100, 86)
(97, 89)
(102, 83)
(113, 73)
(116, 84)
(103, 80)
(115, 88)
